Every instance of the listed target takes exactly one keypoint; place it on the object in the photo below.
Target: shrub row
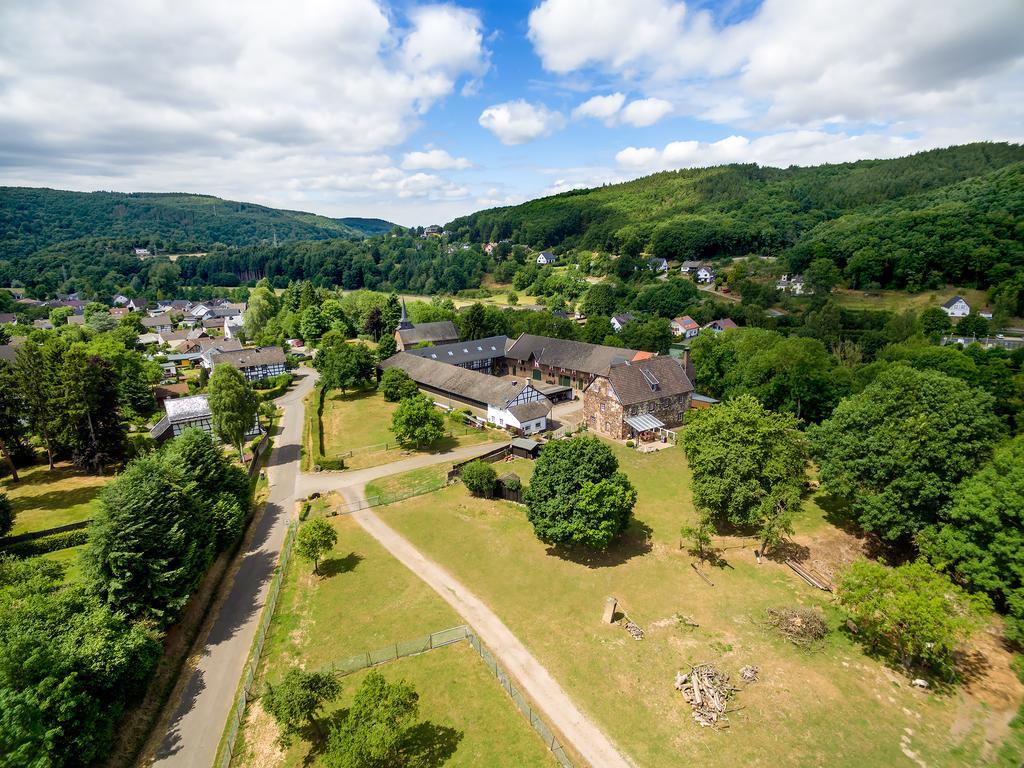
(47, 544)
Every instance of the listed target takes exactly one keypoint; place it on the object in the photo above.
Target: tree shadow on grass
(788, 550)
(635, 542)
(57, 499)
(335, 566)
(839, 512)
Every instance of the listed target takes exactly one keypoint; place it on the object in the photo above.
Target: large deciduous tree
(376, 728)
(979, 536)
(90, 417)
(295, 701)
(314, 540)
(748, 465)
(344, 366)
(898, 448)
(417, 422)
(913, 611)
(233, 405)
(577, 494)
(396, 385)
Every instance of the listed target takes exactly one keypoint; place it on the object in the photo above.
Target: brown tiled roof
(250, 358)
(165, 391)
(645, 380)
(530, 411)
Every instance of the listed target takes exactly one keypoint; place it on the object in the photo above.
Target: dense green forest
(948, 215)
(31, 219)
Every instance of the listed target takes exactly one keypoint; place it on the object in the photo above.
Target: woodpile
(707, 691)
(801, 626)
(811, 576)
(634, 630)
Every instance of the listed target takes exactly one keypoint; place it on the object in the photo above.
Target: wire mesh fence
(521, 703)
(399, 650)
(238, 711)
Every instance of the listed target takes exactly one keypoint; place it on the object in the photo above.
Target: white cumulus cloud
(644, 112)
(519, 121)
(600, 107)
(435, 160)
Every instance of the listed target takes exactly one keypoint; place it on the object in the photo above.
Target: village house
(119, 312)
(136, 305)
(957, 307)
(618, 322)
(704, 274)
(8, 318)
(684, 326)
(545, 259)
(793, 284)
(657, 265)
(725, 324)
(514, 405)
(690, 267)
(409, 335)
(562, 361)
(158, 324)
(636, 399)
(256, 364)
(181, 413)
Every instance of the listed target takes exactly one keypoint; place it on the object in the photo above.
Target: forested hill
(947, 215)
(34, 218)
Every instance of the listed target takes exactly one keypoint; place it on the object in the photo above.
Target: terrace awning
(644, 422)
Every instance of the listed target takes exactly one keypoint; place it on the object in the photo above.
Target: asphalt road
(195, 729)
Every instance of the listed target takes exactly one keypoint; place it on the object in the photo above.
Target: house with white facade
(545, 258)
(957, 307)
(704, 274)
(684, 326)
(515, 405)
(618, 322)
(793, 284)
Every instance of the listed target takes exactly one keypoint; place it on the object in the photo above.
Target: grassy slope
(367, 600)
(43, 500)
(836, 706)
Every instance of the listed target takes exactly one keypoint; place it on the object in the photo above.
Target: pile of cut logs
(707, 691)
(634, 630)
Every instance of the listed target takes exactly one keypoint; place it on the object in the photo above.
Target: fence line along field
(363, 600)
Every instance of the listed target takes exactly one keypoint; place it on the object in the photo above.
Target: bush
(396, 385)
(268, 389)
(479, 478)
(513, 483)
(630, 444)
(48, 544)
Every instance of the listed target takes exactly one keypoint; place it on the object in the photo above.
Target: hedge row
(277, 388)
(317, 437)
(47, 544)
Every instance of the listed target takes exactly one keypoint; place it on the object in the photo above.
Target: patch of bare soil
(832, 549)
(260, 750)
(990, 681)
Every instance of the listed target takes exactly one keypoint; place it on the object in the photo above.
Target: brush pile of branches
(801, 626)
(707, 691)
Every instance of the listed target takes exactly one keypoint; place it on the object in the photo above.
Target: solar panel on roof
(652, 380)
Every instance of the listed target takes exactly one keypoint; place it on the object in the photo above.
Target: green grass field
(835, 706)
(44, 499)
(361, 422)
(898, 301)
(367, 600)
(71, 559)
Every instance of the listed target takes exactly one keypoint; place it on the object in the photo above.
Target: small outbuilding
(524, 448)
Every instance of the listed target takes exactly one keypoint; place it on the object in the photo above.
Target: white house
(957, 307)
(232, 325)
(794, 284)
(545, 258)
(142, 251)
(689, 267)
(618, 322)
(657, 265)
(705, 274)
(684, 326)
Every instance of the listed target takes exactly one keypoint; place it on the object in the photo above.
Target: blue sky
(418, 112)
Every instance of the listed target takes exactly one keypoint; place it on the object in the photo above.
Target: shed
(525, 448)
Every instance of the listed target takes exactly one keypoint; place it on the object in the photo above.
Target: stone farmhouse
(634, 399)
(514, 405)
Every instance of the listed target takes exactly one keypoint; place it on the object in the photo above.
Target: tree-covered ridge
(947, 203)
(34, 218)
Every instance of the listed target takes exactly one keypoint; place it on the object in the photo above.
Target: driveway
(197, 724)
(532, 678)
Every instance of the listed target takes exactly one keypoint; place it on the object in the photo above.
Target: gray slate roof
(531, 411)
(570, 355)
(187, 408)
(461, 352)
(648, 379)
(441, 331)
(460, 382)
(949, 304)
